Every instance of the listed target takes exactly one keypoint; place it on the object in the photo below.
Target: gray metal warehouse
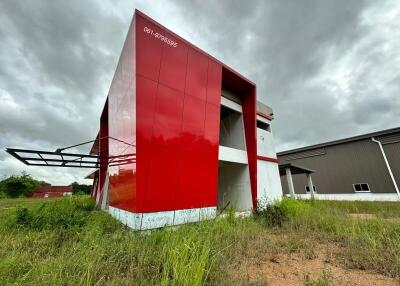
(364, 167)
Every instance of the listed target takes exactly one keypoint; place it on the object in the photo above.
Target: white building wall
(389, 197)
(269, 188)
(265, 141)
(234, 186)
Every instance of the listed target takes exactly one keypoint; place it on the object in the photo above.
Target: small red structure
(52, 191)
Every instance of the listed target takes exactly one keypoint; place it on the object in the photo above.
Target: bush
(79, 189)
(22, 216)
(65, 213)
(272, 215)
(16, 186)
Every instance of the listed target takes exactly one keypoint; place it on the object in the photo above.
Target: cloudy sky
(330, 69)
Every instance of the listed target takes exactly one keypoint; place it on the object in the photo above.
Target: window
(308, 189)
(231, 129)
(263, 126)
(361, 187)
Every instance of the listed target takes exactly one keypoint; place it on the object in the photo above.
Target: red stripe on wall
(265, 116)
(269, 159)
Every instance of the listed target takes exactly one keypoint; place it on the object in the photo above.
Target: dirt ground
(298, 268)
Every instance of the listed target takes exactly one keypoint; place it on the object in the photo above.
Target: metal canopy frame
(295, 169)
(59, 158)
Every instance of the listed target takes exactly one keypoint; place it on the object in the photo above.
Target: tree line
(23, 184)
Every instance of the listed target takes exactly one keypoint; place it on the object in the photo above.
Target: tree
(80, 188)
(18, 185)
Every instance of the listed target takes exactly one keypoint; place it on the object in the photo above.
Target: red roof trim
(269, 117)
(269, 159)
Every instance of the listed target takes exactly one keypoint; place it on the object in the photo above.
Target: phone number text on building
(161, 37)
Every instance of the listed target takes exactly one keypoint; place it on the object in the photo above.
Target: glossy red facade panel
(145, 121)
(250, 129)
(165, 101)
(214, 77)
(173, 65)
(103, 149)
(149, 61)
(181, 139)
(211, 124)
(193, 119)
(196, 76)
(162, 179)
(122, 128)
(168, 116)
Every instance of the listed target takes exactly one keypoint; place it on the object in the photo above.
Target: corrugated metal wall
(392, 152)
(340, 166)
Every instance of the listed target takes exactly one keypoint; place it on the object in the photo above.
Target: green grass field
(70, 242)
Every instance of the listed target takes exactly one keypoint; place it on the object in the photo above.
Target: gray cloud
(329, 69)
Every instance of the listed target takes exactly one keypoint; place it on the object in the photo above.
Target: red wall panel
(211, 124)
(122, 126)
(196, 77)
(103, 150)
(165, 100)
(162, 179)
(250, 129)
(148, 51)
(214, 83)
(193, 119)
(178, 158)
(146, 111)
(168, 116)
(173, 65)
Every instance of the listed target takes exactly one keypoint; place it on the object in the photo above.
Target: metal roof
(341, 141)
(295, 169)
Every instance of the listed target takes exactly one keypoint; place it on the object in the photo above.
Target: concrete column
(290, 182)
(310, 185)
(105, 203)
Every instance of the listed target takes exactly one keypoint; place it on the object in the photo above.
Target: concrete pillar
(290, 182)
(310, 185)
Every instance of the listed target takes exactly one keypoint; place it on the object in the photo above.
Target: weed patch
(272, 215)
(68, 213)
(70, 242)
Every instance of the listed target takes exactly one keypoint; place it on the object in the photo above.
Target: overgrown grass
(71, 242)
(372, 244)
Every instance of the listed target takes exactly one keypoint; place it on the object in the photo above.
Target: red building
(52, 191)
(181, 134)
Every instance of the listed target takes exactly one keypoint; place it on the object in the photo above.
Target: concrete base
(146, 221)
(389, 197)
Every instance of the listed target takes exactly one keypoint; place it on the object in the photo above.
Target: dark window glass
(308, 189)
(364, 187)
(357, 188)
(263, 125)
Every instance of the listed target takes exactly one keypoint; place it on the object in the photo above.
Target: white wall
(234, 186)
(269, 188)
(353, 197)
(232, 130)
(232, 155)
(265, 143)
